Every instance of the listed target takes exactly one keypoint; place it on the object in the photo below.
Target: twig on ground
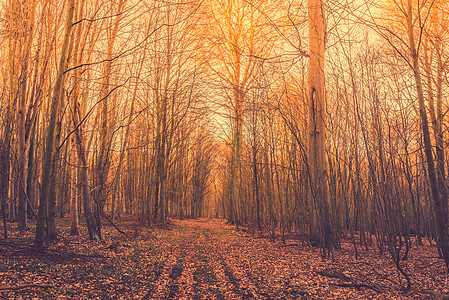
(24, 286)
(358, 286)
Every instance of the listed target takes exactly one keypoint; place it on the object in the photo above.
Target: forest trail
(213, 261)
(205, 259)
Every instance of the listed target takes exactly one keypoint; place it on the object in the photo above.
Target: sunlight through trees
(324, 120)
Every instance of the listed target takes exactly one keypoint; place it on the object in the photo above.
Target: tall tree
(404, 32)
(78, 118)
(440, 203)
(321, 232)
(241, 39)
(103, 156)
(49, 149)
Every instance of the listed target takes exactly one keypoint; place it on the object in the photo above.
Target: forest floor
(205, 259)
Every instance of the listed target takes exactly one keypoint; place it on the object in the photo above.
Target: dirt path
(207, 259)
(215, 261)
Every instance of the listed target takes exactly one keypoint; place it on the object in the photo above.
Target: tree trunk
(438, 207)
(103, 162)
(5, 171)
(84, 181)
(49, 145)
(22, 155)
(25, 39)
(74, 224)
(321, 229)
(235, 159)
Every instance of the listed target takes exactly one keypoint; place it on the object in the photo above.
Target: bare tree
(49, 146)
(321, 228)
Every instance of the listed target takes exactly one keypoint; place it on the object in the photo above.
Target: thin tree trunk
(84, 181)
(103, 163)
(235, 159)
(22, 155)
(438, 207)
(28, 22)
(49, 145)
(5, 170)
(74, 224)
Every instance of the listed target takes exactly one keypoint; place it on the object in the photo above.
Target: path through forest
(206, 259)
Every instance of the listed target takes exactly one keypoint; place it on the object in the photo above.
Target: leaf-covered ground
(205, 259)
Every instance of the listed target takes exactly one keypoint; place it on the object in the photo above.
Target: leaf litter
(205, 259)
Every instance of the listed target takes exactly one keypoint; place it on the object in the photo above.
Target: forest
(224, 149)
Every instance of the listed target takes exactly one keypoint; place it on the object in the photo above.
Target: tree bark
(49, 145)
(438, 207)
(103, 161)
(321, 229)
(25, 39)
(236, 149)
(74, 224)
(84, 179)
